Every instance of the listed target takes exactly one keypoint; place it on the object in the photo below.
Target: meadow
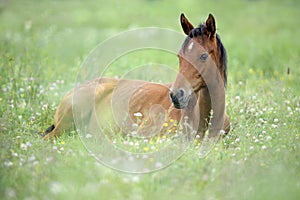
(42, 47)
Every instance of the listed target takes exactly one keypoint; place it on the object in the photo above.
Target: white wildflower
(135, 179)
(137, 114)
(23, 147)
(268, 138)
(28, 144)
(134, 125)
(8, 164)
(158, 165)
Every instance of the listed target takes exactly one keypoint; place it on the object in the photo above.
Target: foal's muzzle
(179, 98)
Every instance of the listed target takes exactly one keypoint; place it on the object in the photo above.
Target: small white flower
(87, 136)
(137, 114)
(263, 147)
(146, 140)
(237, 98)
(274, 126)
(251, 148)
(28, 144)
(23, 147)
(135, 179)
(134, 125)
(276, 120)
(268, 138)
(8, 164)
(222, 132)
(14, 154)
(158, 165)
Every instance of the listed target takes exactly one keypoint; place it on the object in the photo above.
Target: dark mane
(200, 31)
(222, 51)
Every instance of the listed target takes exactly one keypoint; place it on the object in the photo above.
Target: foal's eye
(203, 57)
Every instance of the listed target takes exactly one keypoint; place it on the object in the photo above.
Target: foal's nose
(177, 97)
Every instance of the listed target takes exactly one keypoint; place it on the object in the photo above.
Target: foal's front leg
(205, 111)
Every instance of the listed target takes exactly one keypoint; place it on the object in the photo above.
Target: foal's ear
(211, 25)
(185, 24)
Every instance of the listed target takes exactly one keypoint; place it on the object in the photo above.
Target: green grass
(42, 46)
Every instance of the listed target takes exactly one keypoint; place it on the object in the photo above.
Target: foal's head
(201, 47)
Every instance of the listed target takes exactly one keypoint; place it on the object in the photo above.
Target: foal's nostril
(181, 92)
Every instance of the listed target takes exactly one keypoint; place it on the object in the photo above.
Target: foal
(197, 95)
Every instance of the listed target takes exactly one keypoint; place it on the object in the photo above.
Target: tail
(47, 131)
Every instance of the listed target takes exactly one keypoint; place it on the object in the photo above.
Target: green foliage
(42, 45)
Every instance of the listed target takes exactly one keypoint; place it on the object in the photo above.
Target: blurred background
(259, 35)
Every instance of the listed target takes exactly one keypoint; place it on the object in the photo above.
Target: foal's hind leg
(52, 134)
(63, 119)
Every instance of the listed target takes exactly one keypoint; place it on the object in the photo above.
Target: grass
(42, 46)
